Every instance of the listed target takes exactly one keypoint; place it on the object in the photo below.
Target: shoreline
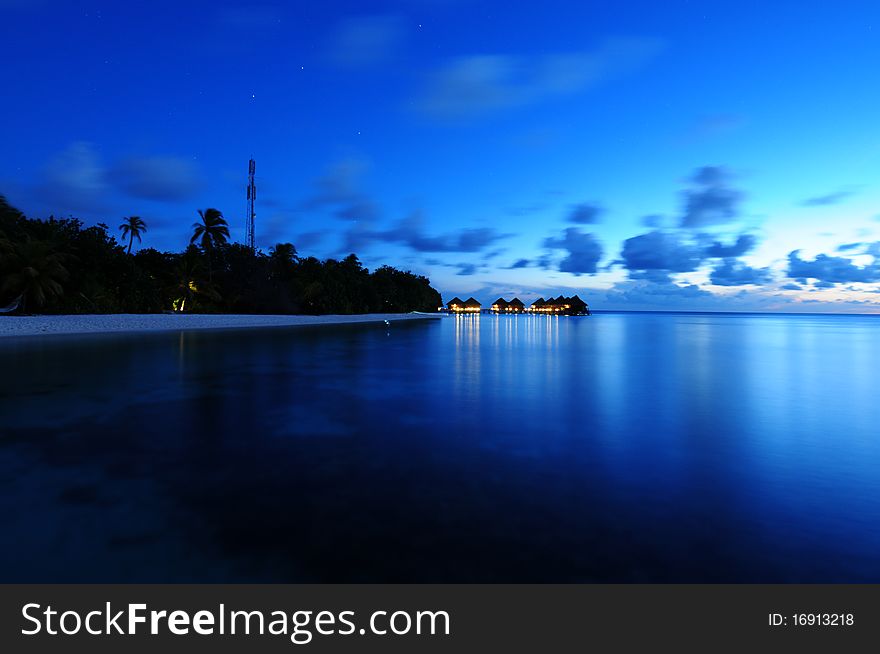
(130, 323)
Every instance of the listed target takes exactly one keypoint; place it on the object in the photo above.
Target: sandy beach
(22, 326)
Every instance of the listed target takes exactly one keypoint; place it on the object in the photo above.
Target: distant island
(562, 306)
(59, 266)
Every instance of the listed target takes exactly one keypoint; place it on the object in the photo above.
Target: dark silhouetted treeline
(61, 266)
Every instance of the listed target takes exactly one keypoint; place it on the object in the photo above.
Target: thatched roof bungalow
(577, 306)
(566, 306)
(455, 304)
(471, 305)
(516, 306)
(500, 305)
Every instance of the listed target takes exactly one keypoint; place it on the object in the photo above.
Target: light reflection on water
(619, 447)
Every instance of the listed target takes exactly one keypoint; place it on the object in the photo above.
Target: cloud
(156, 178)
(274, 227)
(339, 190)
(357, 237)
(340, 184)
(585, 213)
(826, 200)
(791, 286)
(831, 270)
(669, 296)
(411, 233)
(359, 209)
(584, 251)
(476, 85)
(848, 247)
(710, 200)
(654, 221)
(465, 269)
(731, 272)
(307, 240)
(653, 295)
(366, 41)
(744, 243)
(74, 180)
(519, 263)
(659, 250)
(77, 180)
(658, 276)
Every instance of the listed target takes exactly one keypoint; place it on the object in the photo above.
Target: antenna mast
(251, 198)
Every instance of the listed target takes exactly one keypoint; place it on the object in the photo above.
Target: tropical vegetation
(132, 228)
(59, 265)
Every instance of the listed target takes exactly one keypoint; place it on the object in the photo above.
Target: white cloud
(476, 85)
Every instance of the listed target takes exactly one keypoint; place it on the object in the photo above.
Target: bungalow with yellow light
(557, 306)
(516, 306)
(500, 306)
(455, 305)
(561, 306)
(472, 306)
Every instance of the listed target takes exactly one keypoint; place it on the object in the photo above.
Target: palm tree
(35, 272)
(211, 232)
(283, 252)
(282, 256)
(132, 227)
(188, 283)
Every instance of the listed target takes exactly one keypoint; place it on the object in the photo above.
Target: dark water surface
(619, 447)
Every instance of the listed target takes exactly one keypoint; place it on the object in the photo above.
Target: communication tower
(251, 198)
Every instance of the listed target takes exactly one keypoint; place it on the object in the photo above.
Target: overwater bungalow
(455, 305)
(472, 306)
(501, 305)
(563, 306)
(516, 306)
(578, 307)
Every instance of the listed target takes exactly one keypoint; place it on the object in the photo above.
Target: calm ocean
(613, 448)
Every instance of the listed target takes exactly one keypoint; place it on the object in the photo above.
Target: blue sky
(647, 155)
